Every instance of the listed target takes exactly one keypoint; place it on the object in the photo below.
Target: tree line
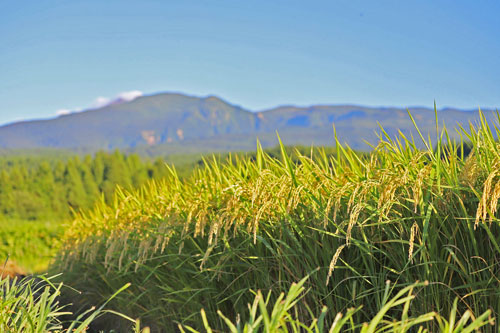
(36, 188)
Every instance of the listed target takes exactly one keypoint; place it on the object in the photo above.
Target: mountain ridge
(177, 121)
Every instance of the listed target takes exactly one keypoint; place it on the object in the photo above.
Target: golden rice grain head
(414, 230)
(482, 209)
(495, 195)
(327, 211)
(353, 219)
(333, 262)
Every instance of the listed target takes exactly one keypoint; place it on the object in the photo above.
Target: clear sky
(258, 54)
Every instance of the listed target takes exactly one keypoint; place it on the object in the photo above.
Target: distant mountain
(168, 123)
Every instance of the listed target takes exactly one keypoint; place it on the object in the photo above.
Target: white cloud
(62, 112)
(130, 95)
(125, 96)
(99, 102)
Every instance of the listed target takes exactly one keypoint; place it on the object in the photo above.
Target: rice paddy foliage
(31, 305)
(351, 221)
(281, 318)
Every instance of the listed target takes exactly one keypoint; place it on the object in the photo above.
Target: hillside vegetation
(364, 228)
(168, 123)
(48, 188)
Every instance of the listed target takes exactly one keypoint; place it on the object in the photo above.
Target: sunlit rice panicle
(111, 247)
(418, 185)
(413, 232)
(489, 197)
(495, 196)
(142, 252)
(353, 197)
(353, 219)
(124, 241)
(327, 212)
(333, 262)
(294, 199)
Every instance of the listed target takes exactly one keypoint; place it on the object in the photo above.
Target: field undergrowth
(30, 244)
(349, 222)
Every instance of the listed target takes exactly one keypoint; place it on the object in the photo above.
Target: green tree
(115, 173)
(97, 167)
(89, 184)
(75, 191)
(139, 173)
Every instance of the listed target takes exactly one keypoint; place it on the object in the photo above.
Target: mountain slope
(166, 123)
(152, 119)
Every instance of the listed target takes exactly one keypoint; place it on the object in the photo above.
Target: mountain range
(172, 123)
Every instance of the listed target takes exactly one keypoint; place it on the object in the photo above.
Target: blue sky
(258, 54)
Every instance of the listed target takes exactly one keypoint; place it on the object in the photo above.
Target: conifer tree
(139, 173)
(90, 186)
(75, 191)
(98, 168)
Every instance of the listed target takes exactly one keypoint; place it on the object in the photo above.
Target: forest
(46, 188)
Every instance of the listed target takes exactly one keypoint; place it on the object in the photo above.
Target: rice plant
(282, 318)
(32, 305)
(400, 214)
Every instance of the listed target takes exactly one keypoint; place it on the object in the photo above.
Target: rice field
(401, 239)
